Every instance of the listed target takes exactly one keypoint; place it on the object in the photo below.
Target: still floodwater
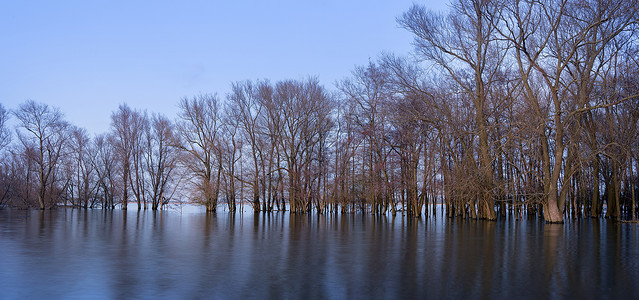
(69, 253)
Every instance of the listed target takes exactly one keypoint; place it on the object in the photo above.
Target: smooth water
(72, 253)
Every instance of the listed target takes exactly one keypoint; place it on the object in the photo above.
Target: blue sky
(87, 57)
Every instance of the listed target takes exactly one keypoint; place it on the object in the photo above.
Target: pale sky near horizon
(87, 57)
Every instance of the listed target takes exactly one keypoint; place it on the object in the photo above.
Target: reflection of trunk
(553, 234)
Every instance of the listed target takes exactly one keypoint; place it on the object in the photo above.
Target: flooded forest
(504, 107)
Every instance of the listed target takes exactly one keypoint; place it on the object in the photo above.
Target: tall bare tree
(464, 44)
(5, 164)
(302, 105)
(81, 153)
(245, 108)
(161, 158)
(369, 91)
(198, 127)
(104, 162)
(140, 131)
(231, 154)
(5, 133)
(44, 130)
(126, 128)
(548, 38)
(272, 127)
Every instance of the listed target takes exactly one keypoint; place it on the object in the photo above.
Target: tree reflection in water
(117, 254)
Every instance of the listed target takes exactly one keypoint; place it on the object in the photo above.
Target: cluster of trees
(541, 103)
(506, 106)
(53, 162)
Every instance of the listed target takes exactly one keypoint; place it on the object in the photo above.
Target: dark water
(69, 253)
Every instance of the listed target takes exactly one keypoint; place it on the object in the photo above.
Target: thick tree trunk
(487, 202)
(552, 213)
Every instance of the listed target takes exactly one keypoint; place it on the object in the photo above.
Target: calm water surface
(67, 253)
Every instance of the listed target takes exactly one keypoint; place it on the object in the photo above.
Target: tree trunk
(632, 190)
(594, 208)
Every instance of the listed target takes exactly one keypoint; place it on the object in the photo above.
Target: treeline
(522, 107)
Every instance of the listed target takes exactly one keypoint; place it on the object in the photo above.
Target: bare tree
(369, 90)
(272, 127)
(343, 147)
(124, 139)
(302, 105)
(5, 133)
(547, 38)
(464, 44)
(81, 153)
(44, 131)
(5, 167)
(199, 126)
(104, 163)
(161, 159)
(140, 131)
(245, 109)
(231, 154)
